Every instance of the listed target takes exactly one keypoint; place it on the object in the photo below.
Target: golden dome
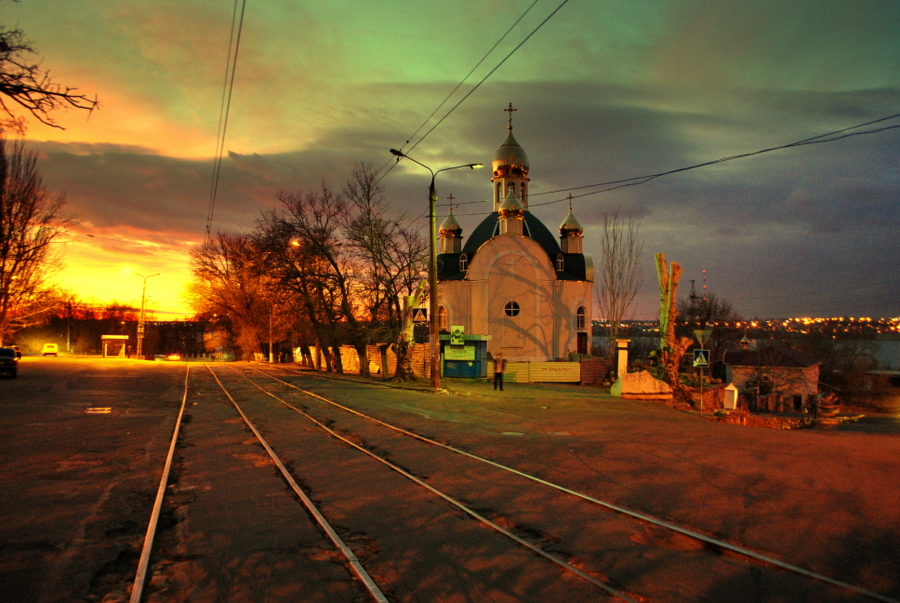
(450, 226)
(510, 158)
(511, 206)
(571, 225)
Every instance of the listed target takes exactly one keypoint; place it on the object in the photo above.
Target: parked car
(50, 349)
(9, 363)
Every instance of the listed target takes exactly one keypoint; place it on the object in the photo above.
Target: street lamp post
(140, 327)
(432, 268)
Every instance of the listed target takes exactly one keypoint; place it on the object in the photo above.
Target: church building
(512, 279)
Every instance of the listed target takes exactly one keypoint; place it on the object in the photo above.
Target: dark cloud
(787, 232)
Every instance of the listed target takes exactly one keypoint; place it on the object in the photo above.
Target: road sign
(420, 315)
(702, 335)
(701, 358)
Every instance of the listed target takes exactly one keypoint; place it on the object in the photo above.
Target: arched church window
(463, 262)
(512, 309)
(442, 319)
(512, 188)
(580, 315)
(560, 262)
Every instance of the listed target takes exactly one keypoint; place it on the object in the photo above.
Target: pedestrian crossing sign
(701, 358)
(420, 315)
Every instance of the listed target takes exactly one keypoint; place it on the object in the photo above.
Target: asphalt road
(82, 444)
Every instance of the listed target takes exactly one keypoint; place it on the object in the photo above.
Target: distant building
(774, 370)
(512, 279)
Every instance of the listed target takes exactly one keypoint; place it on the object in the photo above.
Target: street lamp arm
(432, 268)
(433, 173)
(456, 167)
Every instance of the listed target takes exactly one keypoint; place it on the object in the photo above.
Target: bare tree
(229, 281)
(24, 83)
(709, 311)
(305, 239)
(391, 257)
(31, 219)
(619, 277)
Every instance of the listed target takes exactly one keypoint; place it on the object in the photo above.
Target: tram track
(718, 546)
(452, 475)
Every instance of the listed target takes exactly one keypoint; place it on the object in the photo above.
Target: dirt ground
(77, 484)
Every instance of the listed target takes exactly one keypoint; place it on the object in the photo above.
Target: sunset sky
(604, 90)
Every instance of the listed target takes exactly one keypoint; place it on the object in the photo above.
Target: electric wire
(458, 86)
(225, 109)
(638, 180)
(476, 86)
(468, 75)
(214, 180)
(489, 74)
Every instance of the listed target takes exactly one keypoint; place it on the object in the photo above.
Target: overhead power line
(489, 74)
(392, 163)
(638, 180)
(234, 43)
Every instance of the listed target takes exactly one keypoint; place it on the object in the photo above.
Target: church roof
(575, 264)
(511, 159)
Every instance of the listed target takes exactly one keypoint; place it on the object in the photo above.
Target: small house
(774, 371)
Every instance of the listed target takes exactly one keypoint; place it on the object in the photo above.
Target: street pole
(433, 325)
(140, 326)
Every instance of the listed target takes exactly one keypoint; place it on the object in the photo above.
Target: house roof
(773, 356)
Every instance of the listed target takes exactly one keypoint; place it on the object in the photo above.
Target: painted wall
(513, 268)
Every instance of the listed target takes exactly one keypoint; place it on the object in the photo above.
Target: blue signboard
(701, 358)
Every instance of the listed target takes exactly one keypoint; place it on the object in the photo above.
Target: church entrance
(583, 344)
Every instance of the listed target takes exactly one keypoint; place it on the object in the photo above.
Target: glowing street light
(432, 268)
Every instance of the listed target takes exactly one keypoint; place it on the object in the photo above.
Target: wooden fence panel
(539, 372)
(555, 372)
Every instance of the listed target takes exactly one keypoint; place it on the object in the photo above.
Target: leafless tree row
(324, 268)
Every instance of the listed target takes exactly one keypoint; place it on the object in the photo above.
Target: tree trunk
(363, 354)
(338, 363)
(385, 368)
(670, 349)
(405, 342)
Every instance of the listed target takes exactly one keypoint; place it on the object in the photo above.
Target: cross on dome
(510, 110)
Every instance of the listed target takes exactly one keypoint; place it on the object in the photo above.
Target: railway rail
(487, 491)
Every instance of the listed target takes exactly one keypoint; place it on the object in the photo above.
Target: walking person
(499, 365)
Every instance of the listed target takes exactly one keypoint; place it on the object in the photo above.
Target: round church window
(512, 309)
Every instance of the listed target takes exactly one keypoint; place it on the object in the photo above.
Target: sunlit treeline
(324, 268)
